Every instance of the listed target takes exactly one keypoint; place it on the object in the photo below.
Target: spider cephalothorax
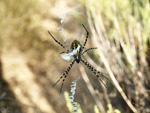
(76, 50)
(75, 45)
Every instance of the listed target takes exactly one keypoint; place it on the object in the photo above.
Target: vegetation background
(30, 62)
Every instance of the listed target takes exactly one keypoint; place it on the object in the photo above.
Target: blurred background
(30, 62)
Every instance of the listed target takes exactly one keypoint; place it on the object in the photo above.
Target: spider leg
(94, 71)
(64, 75)
(101, 81)
(57, 41)
(64, 52)
(86, 36)
(102, 75)
(89, 49)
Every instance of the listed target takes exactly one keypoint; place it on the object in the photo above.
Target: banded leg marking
(64, 75)
(89, 49)
(94, 71)
(86, 36)
(57, 41)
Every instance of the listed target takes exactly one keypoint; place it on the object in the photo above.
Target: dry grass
(120, 30)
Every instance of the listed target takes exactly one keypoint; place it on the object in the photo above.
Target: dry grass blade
(104, 60)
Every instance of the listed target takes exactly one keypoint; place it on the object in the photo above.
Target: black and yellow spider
(77, 57)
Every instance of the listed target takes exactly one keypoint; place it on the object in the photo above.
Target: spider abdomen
(77, 58)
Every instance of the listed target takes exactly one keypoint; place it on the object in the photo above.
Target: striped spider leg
(89, 49)
(58, 42)
(64, 75)
(86, 36)
(97, 73)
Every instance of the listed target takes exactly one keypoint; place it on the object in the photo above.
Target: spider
(77, 57)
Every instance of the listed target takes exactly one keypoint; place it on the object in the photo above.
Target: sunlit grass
(70, 105)
(123, 30)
